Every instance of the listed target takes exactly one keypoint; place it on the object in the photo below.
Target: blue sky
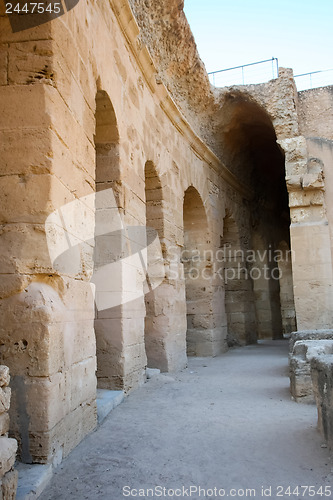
(235, 32)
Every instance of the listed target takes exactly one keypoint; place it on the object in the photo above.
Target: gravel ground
(226, 423)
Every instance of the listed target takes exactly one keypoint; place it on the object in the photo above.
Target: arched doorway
(154, 335)
(250, 150)
(198, 275)
(107, 246)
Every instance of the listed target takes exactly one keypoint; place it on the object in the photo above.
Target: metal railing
(314, 79)
(246, 74)
(251, 73)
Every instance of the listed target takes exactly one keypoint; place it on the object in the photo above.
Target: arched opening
(106, 142)
(238, 287)
(250, 150)
(154, 340)
(197, 272)
(108, 247)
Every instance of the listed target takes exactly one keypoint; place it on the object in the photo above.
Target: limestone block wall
(8, 446)
(84, 111)
(46, 316)
(314, 200)
(62, 145)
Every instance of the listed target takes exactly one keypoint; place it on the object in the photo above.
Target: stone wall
(316, 125)
(105, 133)
(95, 118)
(8, 446)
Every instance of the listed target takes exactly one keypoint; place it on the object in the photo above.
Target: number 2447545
(33, 8)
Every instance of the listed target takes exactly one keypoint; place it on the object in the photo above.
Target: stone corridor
(226, 422)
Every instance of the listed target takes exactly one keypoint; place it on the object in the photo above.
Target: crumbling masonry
(235, 182)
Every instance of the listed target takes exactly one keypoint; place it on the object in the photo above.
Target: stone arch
(108, 246)
(195, 178)
(250, 150)
(238, 286)
(154, 198)
(197, 261)
(106, 139)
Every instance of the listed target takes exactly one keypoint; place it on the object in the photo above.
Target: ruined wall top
(315, 112)
(165, 31)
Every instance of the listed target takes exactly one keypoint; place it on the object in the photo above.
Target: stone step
(106, 402)
(33, 478)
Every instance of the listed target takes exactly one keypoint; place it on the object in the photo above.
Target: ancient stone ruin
(146, 215)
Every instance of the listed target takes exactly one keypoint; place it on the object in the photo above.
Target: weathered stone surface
(5, 393)
(9, 485)
(8, 446)
(322, 379)
(303, 352)
(8, 449)
(4, 424)
(314, 111)
(302, 335)
(4, 376)
(204, 167)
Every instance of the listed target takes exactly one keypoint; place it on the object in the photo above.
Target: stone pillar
(310, 237)
(165, 322)
(46, 324)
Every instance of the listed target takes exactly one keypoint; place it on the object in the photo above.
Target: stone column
(310, 237)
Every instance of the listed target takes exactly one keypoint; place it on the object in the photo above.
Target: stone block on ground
(8, 449)
(4, 376)
(9, 485)
(322, 379)
(300, 367)
(309, 335)
(5, 394)
(4, 424)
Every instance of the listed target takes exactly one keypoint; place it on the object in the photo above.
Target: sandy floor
(226, 423)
